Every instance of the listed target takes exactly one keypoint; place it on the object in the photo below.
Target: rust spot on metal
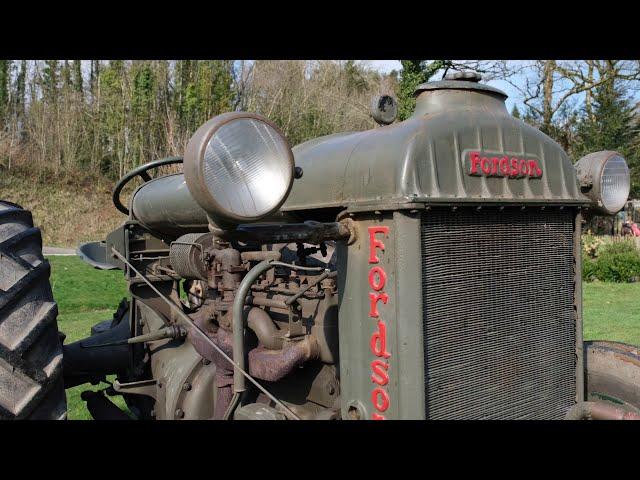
(274, 365)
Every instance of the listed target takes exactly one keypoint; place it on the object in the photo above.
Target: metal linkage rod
(185, 318)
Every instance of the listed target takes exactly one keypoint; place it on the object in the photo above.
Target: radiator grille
(499, 322)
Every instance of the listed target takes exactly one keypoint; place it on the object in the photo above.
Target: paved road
(65, 252)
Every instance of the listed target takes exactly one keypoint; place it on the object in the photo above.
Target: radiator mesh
(499, 320)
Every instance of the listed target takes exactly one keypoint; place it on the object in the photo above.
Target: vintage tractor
(426, 269)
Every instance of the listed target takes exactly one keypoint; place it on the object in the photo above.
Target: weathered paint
(424, 159)
(383, 380)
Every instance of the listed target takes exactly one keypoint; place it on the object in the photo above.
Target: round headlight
(604, 178)
(239, 167)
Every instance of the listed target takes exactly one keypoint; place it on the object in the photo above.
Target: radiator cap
(460, 81)
(468, 76)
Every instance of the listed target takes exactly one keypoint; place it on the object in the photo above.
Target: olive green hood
(427, 157)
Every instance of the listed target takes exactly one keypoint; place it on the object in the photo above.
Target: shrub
(589, 269)
(591, 244)
(619, 247)
(616, 262)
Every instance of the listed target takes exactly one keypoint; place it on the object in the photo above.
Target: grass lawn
(611, 311)
(87, 296)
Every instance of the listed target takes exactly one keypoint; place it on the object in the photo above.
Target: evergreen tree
(611, 126)
(20, 90)
(142, 105)
(5, 80)
(355, 76)
(414, 73)
(77, 77)
(67, 84)
(94, 78)
(50, 80)
(515, 113)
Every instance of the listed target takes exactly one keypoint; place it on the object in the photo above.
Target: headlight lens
(604, 178)
(615, 183)
(239, 167)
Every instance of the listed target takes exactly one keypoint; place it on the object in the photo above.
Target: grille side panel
(498, 312)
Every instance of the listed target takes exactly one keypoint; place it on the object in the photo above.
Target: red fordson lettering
(499, 165)
(378, 343)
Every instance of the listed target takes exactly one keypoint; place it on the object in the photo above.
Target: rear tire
(31, 385)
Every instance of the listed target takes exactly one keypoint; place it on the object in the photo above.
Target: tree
(547, 87)
(20, 90)
(5, 81)
(308, 99)
(50, 81)
(611, 126)
(515, 113)
(355, 76)
(414, 73)
(94, 78)
(67, 82)
(77, 77)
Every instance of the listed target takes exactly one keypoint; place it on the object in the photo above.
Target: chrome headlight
(604, 178)
(239, 167)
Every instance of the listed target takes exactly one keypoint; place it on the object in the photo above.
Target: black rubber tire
(612, 374)
(31, 385)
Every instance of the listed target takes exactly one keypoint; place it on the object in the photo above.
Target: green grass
(87, 296)
(611, 311)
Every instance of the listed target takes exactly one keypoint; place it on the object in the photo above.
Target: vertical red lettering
(377, 278)
(375, 243)
(378, 342)
(379, 375)
(374, 298)
(380, 399)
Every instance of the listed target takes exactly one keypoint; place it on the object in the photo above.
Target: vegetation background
(70, 128)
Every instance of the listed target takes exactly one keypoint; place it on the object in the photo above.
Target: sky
(514, 97)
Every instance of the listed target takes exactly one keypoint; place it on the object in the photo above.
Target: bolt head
(186, 387)
(179, 413)
(354, 413)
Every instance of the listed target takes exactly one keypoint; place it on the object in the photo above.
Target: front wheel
(612, 374)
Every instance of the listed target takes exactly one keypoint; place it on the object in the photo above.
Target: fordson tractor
(424, 269)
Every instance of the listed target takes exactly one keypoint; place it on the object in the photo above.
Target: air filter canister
(187, 255)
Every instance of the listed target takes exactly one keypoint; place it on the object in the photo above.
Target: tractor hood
(460, 145)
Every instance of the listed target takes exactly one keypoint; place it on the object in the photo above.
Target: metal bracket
(143, 387)
(296, 327)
